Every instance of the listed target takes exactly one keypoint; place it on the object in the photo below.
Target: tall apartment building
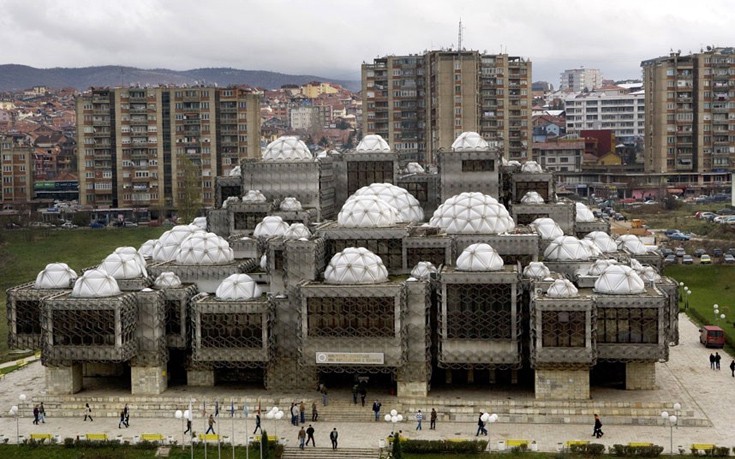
(690, 116)
(136, 143)
(577, 80)
(613, 109)
(17, 173)
(421, 103)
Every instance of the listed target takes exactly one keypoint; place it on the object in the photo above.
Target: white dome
(122, 266)
(138, 256)
(591, 247)
(146, 249)
(95, 283)
(472, 213)
(404, 202)
(479, 257)
(264, 262)
(469, 141)
(200, 222)
(547, 228)
(584, 214)
(566, 248)
(297, 231)
(513, 163)
(599, 266)
(373, 144)
(603, 241)
(536, 270)
(414, 168)
(287, 148)
(235, 172)
(367, 212)
(270, 226)
(230, 200)
(619, 280)
(290, 204)
(531, 167)
(55, 275)
(636, 265)
(423, 270)
(355, 265)
(649, 274)
(532, 197)
(204, 249)
(254, 196)
(326, 153)
(238, 287)
(167, 280)
(631, 244)
(168, 244)
(562, 288)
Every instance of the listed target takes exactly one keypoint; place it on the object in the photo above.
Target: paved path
(686, 379)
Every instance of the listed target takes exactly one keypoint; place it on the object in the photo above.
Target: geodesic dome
(122, 266)
(619, 280)
(372, 143)
(270, 226)
(297, 231)
(636, 265)
(649, 274)
(287, 148)
(423, 270)
(167, 280)
(591, 247)
(472, 213)
(547, 228)
(55, 275)
(583, 214)
(566, 248)
(513, 163)
(532, 167)
(253, 196)
(408, 206)
(238, 287)
(469, 141)
(603, 241)
(204, 249)
(290, 204)
(414, 168)
(355, 265)
(536, 270)
(599, 266)
(146, 249)
(632, 244)
(95, 284)
(368, 212)
(479, 257)
(532, 197)
(135, 253)
(235, 172)
(168, 244)
(562, 288)
(200, 222)
(230, 200)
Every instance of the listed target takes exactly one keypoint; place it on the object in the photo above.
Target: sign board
(350, 358)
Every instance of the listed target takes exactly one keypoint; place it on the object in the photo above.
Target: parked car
(670, 260)
(731, 251)
(669, 232)
(96, 224)
(728, 259)
(680, 252)
(705, 215)
(717, 252)
(687, 260)
(705, 259)
(68, 225)
(129, 224)
(699, 252)
(679, 236)
(665, 252)
(619, 217)
(712, 336)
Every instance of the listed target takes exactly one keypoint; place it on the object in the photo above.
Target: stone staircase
(294, 452)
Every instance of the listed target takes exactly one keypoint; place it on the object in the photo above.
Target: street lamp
(688, 293)
(673, 420)
(180, 415)
(14, 412)
(277, 414)
(491, 418)
(393, 417)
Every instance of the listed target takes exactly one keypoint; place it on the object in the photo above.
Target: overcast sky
(332, 38)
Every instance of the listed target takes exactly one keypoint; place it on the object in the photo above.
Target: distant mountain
(18, 77)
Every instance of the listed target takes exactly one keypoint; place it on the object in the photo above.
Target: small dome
(591, 247)
(532, 167)
(536, 270)
(270, 226)
(547, 228)
(603, 241)
(404, 202)
(355, 265)
(264, 262)
(414, 168)
(532, 197)
(204, 249)
(636, 265)
(167, 280)
(649, 274)
(200, 222)
(138, 256)
(469, 141)
(472, 213)
(235, 172)
(326, 153)
(567, 248)
(297, 231)
(55, 275)
(423, 270)
(231, 200)
(513, 163)
(562, 288)
(94, 284)
(168, 244)
(631, 244)
(584, 214)
(122, 266)
(373, 144)
(146, 249)
(599, 266)
(479, 257)
(367, 212)
(287, 148)
(253, 196)
(290, 204)
(238, 287)
(619, 280)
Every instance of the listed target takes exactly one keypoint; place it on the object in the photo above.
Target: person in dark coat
(597, 432)
(333, 435)
(732, 368)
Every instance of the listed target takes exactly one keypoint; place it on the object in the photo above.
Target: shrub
(69, 442)
(590, 449)
(443, 446)
(720, 451)
(636, 451)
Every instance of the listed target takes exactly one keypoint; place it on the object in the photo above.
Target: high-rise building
(135, 144)
(581, 79)
(690, 117)
(421, 103)
(610, 108)
(17, 174)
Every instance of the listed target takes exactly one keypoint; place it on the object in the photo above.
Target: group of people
(124, 417)
(39, 414)
(307, 435)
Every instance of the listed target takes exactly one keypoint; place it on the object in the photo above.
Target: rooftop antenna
(459, 36)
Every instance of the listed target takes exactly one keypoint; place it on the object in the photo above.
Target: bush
(636, 451)
(721, 451)
(590, 449)
(443, 446)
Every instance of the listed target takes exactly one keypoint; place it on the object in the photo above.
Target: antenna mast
(459, 36)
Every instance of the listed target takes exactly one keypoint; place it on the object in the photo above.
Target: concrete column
(64, 380)
(203, 378)
(471, 376)
(412, 389)
(640, 376)
(562, 384)
(148, 380)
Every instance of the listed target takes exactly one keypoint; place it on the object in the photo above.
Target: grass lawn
(24, 253)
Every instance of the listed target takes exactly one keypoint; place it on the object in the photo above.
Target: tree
(350, 141)
(397, 453)
(190, 189)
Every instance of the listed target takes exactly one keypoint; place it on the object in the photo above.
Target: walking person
(88, 412)
(188, 426)
(732, 369)
(712, 361)
(314, 412)
(419, 418)
(257, 423)
(310, 436)
(363, 394)
(597, 432)
(376, 410)
(481, 430)
(35, 415)
(122, 419)
(302, 412)
(333, 435)
(354, 393)
(432, 424)
(718, 357)
(211, 422)
(126, 419)
(302, 437)
(323, 390)
(42, 413)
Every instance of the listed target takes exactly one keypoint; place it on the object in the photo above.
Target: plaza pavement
(686, 378)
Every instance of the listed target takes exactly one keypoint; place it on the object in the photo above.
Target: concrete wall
(64, 380)
(562, 384)
(640, 375)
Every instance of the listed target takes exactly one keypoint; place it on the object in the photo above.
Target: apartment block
(135, 143)
(17, 173)
(581, 79)
(610, 108)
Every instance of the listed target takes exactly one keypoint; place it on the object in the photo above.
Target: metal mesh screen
(435, 255)
(479, 311)
(351, 316)
(247, 220)
(223, 330)
(563, 328)
(627, 325)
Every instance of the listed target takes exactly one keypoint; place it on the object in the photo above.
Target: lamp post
(491, 418)
(688, 293)
(276, 414)
(682, 291)
(393, 418)
(673, 420)
(14, 412)
(180, 415)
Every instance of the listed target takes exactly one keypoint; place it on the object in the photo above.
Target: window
(627, 325)
(563, 328)
(478, 165)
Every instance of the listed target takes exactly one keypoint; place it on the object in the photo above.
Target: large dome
(287, 148)
(270, 226)
(584, 214)
(368, 212)
(404, 202)
(632, 244)
(373, 144)
(355, 265)
(532, 167)
(479, 257)
(204, 249)
(146, 249)
(55, 275)
(599, 266)
(122, 266)
(423, 270)
(567, 248)
(547, 228)
(95, 283)
(562, 288)
(253, 196)
(472, 213)
(167, 279)
(138, 256)
(168, 244)
(297, 231)
(532, 197)
(536, 270)
(290, 204)
(469, 141)
(603, 241)
(238, 287)
(619, 280)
